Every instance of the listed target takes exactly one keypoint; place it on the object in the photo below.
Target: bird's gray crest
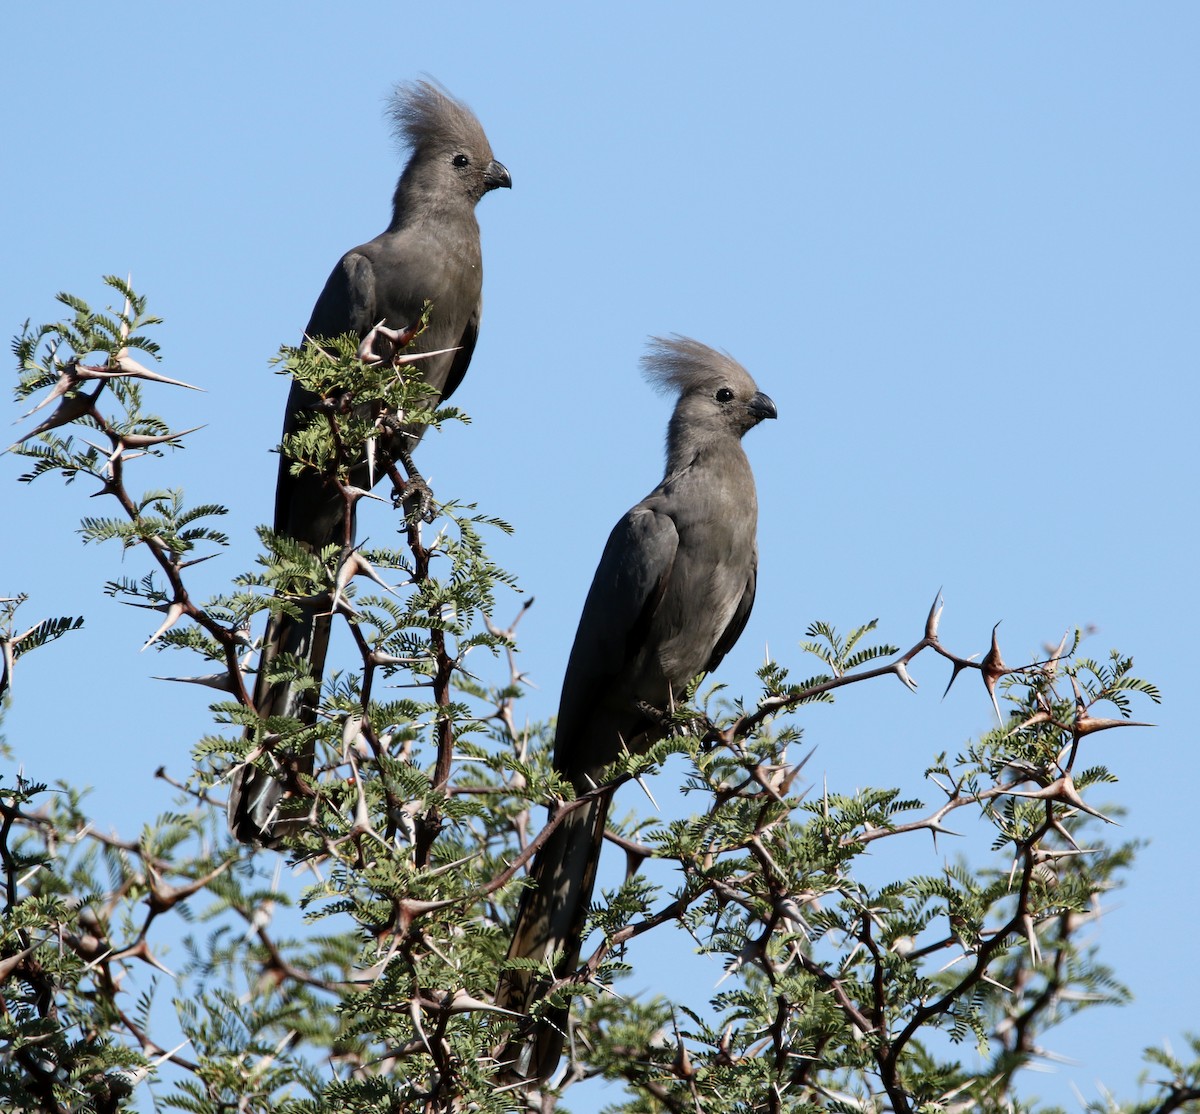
(676, 364)
(423, 112)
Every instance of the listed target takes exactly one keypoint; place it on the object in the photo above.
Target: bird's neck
(686, 451)
(415, 203)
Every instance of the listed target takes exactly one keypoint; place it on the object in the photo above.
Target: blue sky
(957, 245)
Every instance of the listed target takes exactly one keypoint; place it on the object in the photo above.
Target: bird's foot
(670, 722)
(655, 715)
(415, 496)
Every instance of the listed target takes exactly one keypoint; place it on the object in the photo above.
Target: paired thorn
(993, 668)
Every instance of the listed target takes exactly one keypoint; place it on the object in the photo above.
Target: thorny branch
(752, 887)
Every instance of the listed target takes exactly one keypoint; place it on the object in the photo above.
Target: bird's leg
(657, 716)
(667, 722)
(413, 493)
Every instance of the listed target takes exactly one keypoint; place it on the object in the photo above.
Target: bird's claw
(416, 498)
(671, 723)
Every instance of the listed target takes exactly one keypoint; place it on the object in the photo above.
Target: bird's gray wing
(629, 584)
(303, 508)
(348, 301)
(462, 358)
(737, 623)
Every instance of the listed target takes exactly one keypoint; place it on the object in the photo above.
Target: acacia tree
(367, 985)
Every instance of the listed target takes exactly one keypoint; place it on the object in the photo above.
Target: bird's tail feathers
(550, 921)
(260, 809)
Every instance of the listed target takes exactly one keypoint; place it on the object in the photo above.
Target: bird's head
(716, 396)
(451, 160)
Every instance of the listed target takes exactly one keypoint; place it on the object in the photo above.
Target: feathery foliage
(172, 966)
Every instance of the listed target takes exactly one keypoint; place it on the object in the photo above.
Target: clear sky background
(957, 244)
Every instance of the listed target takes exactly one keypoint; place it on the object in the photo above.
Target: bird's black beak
(761, 406)
(497, 175)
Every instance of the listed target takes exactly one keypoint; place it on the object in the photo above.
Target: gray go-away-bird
(669, 599)
(429, 253)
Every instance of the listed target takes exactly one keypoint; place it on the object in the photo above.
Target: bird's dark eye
(461, 160)
(724, 394)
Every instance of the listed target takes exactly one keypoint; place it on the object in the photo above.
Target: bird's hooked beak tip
(497, 175)
(761, 406)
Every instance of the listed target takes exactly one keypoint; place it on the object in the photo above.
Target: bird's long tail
(263, 808)
(550, 921)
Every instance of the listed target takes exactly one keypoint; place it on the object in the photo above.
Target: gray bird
(429, 252)
(669, 599)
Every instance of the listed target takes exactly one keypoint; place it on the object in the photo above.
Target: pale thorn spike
(414, 1016)
(126, 441)
(110, 455)
(222, 682)
(130, 367)
(955, 961)
(174, 614)
(791, 914)
(462, 1002)
(1056, 654)
(1080, 996)
(10, 660)
(357, 493)
(352, 733)
(139, 1075)
(354, 565)
(141, 950)
(1035, 951)
(9, 965)
(1062, 790)
(1035, 720)
(24, 879)
(66, 380)
(365, 568)
(934, 618)
(366, 347)
(126, 309)
(312, 343)
(957, 667)
(901, 671)
(377, 657)
(144, 441)
(752, 951)
(396, 338)
(371, 461)
(935, 828)
(646, 789)
(682, 1066)
(606, 989)
(69, 410)
(413, 357)
(1086, 725)
(1081, 706)
(345, 574)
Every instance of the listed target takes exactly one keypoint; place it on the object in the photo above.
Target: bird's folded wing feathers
(348, 302)
(630, 580)
(738, 623)
(629, 583)
(462, 358)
